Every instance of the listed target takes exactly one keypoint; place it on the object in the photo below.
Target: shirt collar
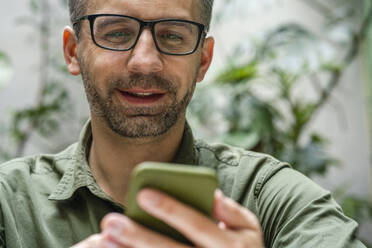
(78, 174)
(186, 153)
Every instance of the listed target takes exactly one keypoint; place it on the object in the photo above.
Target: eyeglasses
(121, 33)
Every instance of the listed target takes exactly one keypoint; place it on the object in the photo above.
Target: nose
(145, 58)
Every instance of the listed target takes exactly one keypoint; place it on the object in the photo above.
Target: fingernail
(114, 229)
(222, 225)
(149, 198)
(229, 202)
(110, 244)
(219, 194)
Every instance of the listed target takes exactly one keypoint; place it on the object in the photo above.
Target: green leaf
(286, 81)
(238, 74)
(356, 207)
(302, 113)
(42, 118)
(248, 140)
(318, 139)
(6, 70)
(332, 67)
(34, 5)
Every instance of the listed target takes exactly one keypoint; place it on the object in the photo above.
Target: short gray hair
(206, 12)
(78, 8)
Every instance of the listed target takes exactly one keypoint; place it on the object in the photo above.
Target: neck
(113, 157)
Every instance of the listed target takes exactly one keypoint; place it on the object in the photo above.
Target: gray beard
(137, 122)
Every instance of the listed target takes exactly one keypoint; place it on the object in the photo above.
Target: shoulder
(21, 171)
(252, 178)
(238, 169)
(281, 197)
(230, 155)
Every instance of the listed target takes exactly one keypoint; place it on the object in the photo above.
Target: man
(140, 61)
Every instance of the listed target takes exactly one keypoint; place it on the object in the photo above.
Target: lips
(141, 96)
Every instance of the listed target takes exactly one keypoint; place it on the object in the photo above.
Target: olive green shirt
(54, 200)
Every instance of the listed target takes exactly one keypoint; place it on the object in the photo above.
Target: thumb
(233, 215)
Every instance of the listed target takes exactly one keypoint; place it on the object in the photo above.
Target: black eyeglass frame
(143, 24)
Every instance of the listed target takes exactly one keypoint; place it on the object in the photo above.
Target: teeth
(141, 94)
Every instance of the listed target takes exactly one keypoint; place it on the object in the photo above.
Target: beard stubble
(136, 122)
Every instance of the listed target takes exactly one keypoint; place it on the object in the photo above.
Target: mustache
(149, 81)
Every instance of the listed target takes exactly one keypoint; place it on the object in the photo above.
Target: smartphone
(192, 185)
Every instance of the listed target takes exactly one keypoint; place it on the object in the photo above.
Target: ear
(69, 51)
(206, 58)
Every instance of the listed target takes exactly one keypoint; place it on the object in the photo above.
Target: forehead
(147, 9)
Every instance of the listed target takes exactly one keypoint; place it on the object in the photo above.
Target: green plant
(52, 101)
(290, 56)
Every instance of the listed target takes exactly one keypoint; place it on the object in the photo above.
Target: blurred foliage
(273, 87)
(289, 55)
(52, 103)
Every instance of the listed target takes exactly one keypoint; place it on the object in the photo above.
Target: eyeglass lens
(120, 33)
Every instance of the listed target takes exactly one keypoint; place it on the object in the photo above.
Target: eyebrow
(183, 24)
(110, 21)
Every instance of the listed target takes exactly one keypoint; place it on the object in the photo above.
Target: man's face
(140, 92)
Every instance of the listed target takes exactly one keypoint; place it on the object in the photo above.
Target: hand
(237, 226)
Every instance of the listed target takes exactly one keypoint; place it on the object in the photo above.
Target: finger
(98, 241)
(87, 243)
(127, 232)
(195, 226)
(232, 214)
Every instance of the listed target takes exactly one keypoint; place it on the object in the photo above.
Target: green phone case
(191, 185)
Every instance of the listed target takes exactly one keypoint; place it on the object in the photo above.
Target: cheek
(189, 79)
(183, 71)
(102, 66)
(111, 64)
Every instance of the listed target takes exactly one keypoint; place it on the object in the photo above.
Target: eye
(119, 36)
(171, 37)
(115, 34)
